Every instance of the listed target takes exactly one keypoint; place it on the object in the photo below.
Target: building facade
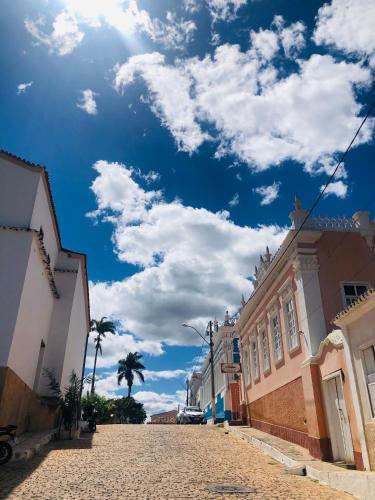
(195, 383)
(45, 308)
(227, 385)
(167, 417)
(357, 325)
(289, 350)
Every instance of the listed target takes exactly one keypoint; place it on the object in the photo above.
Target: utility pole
(213, 403)
(211, 346)
(187, 392)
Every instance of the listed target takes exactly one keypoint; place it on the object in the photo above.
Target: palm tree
(101, 327)
(127, 367)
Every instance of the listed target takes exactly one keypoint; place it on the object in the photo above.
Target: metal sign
(231, 368)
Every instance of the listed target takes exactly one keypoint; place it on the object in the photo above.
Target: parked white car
(191, 415)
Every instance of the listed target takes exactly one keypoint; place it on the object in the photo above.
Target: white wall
(59, 327)
(78, 329)
(14, 257)
(18, 189)
(41, 217)
(33, 319)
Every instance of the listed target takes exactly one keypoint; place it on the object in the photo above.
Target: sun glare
(112, 12)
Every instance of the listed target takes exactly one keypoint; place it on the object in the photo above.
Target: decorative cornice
(304, 262)
(61, 270)
(335, 338)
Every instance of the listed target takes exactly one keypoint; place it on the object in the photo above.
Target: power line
(343, 156)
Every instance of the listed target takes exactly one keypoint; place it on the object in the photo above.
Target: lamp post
(211, 346)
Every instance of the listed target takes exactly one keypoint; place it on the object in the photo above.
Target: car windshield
(192, 408)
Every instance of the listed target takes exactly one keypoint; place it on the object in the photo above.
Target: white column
(309, 299)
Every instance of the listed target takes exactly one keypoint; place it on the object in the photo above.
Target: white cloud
(164, 374)
(193, 263)
(126, 17)
(234, 201)
(115, 347)
(263, 119)
(349, 26)
(268, 193)
(337, 188)
(265, 43)
(87, 102)
(170, 92)
(173, 33)
(65, 35)
(106, 382)
(22, 87)
(157, 403)
(224, 10)
(292, 37)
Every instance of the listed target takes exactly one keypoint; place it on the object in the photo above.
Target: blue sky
(176, 135)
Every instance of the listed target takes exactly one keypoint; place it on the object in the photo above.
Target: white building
(227, 386)
(44, 301)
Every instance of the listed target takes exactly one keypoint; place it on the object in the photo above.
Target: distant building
(296, 382)
(227, 385)
(195, 383)
(167, 417)
(44, 301)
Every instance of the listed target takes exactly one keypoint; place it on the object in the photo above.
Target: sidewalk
(297, 459)
(30, 443)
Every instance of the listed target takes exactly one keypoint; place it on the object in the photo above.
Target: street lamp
(211, 346)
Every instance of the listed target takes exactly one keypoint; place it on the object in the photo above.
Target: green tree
(101, 327)
(129, 411)
(103, 406)
(128, 367)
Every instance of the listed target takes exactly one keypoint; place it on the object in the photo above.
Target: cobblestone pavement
(154, 462)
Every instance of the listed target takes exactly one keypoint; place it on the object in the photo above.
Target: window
(276, 337)
(265, 350)
(246, 366)
(290, 320)
(369, 368)
(352, 291)
(254, 358)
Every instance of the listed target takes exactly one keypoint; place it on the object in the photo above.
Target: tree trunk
(129, 390)
(93, 373)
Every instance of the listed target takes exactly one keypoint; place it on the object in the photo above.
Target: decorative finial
(261, 259)
(243, 301)
(297, 203)
(268, 254)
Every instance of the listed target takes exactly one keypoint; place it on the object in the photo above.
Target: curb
(357, 483)
(20, 452)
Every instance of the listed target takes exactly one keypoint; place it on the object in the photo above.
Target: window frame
(289, 299)
(254, 356)
(262, 328)
(367, 284)
(275, 314)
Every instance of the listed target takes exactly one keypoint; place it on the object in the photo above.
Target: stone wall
(21, 406)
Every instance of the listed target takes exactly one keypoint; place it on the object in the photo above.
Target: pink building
(295, 378)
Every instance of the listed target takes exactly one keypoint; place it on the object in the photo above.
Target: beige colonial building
(357, 323)
(296, 384)
(44, 302)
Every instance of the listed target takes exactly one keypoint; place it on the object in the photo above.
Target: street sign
(231, 368)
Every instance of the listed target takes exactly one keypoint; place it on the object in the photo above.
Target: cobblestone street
(154, 462)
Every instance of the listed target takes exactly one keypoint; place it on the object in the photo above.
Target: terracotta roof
(354, 305)
(15, 157)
